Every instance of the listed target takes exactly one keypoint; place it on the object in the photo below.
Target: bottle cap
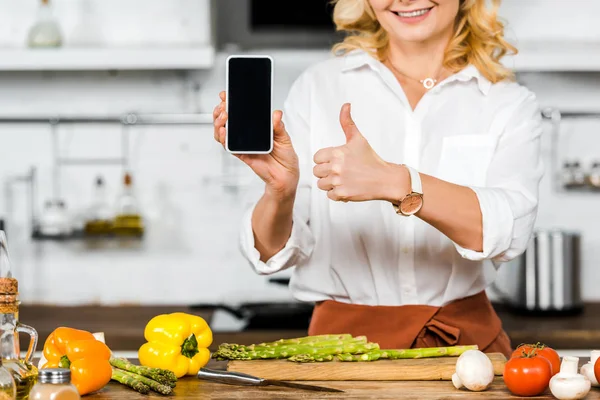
(54, 375)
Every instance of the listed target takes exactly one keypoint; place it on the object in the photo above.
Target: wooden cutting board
(421, 369)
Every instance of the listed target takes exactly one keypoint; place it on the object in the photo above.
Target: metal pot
(546, 277)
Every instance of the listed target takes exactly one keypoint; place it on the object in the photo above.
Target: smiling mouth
(412, 14)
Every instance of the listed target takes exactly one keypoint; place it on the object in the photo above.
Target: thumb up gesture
(354, 172)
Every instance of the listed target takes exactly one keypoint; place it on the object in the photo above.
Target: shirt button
(405, 249)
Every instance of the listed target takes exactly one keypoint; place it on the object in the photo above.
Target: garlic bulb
(568, 384)
(474, 370)
(587, 369)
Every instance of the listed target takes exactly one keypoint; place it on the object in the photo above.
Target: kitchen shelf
(87, 59)
(79, 235)
(539, 56)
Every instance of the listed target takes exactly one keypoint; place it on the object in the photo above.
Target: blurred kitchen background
(107, 103)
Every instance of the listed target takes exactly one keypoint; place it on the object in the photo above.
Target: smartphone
(249, 89)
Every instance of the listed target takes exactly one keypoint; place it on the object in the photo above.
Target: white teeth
(413, 14)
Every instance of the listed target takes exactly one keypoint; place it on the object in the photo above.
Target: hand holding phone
(278, 168)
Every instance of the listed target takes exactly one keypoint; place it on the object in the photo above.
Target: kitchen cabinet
(87, 59)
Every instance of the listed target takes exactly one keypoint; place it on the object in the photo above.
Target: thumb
(348, 124)
(279, 131)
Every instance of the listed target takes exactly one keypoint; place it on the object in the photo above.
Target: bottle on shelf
(55, 220)
(128, 220)
(593, 177)
(566, 175)
(22, 370)
(99, 218)
(578, 175)
(46, 31)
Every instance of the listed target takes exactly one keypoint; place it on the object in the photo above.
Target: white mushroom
(474, 370)
(568, 384)
(587, 369)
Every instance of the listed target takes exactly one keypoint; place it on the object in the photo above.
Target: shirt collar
(359, 58)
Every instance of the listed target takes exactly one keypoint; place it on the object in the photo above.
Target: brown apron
(468, 321)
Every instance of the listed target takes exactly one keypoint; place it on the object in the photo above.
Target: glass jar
(8, 388)
(23, 371)
(54, 384)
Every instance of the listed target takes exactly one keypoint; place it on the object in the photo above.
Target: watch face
(411, 204)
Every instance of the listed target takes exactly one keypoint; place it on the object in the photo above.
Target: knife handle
(231, 378)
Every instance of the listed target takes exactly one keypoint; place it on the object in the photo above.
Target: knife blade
(241, 379)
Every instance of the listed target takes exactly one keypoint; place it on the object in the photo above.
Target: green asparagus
(163, 376)
(155, 386)
(427, 352)
(308, 340)
(321, 343)
(293, 350)
(303, 358)
(128, 380)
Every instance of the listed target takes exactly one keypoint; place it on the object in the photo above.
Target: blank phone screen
(249, 105)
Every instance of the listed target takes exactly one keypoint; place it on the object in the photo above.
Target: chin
(413, 34)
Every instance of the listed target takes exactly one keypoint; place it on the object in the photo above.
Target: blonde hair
(478, 36)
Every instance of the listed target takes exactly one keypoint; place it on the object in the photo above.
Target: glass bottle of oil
(22, 369)
(99, 219)
(128, 220)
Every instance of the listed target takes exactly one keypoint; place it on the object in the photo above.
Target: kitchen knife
(238, 378)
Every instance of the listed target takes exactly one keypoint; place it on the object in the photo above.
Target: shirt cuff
(298, 247)
(498, 224)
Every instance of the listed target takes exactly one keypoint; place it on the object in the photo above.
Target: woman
(396, 212)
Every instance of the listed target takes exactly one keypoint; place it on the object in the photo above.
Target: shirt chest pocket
(465, 159)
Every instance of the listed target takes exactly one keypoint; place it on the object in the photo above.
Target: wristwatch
(412, 202)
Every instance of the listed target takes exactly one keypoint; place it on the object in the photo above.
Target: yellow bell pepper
(178, 342)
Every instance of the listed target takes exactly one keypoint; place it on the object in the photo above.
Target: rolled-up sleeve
(509, 199)
(299, 247)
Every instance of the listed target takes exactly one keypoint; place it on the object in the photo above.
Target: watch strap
(415, 180)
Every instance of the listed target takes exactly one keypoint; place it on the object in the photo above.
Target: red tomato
(541, 350)
(597, 369)
(528, 375)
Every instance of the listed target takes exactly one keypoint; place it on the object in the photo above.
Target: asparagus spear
(308, 340)
(426, 352)
(321, 343)
(288, 351)
(302, 358)
(157, 387)
(127, 380)
(320, 340)
(163, 376)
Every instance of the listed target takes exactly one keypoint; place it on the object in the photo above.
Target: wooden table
(192, 389)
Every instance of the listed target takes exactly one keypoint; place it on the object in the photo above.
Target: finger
(221, 136)
(323, 156)
(219, 123)
(322, 170)
(325, 184)
(336, 194)
(220, 107)
(223, 95)
(348, 125)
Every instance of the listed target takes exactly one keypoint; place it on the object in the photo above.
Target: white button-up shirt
(465, 130)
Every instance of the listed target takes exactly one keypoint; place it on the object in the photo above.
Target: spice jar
(54, 384)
